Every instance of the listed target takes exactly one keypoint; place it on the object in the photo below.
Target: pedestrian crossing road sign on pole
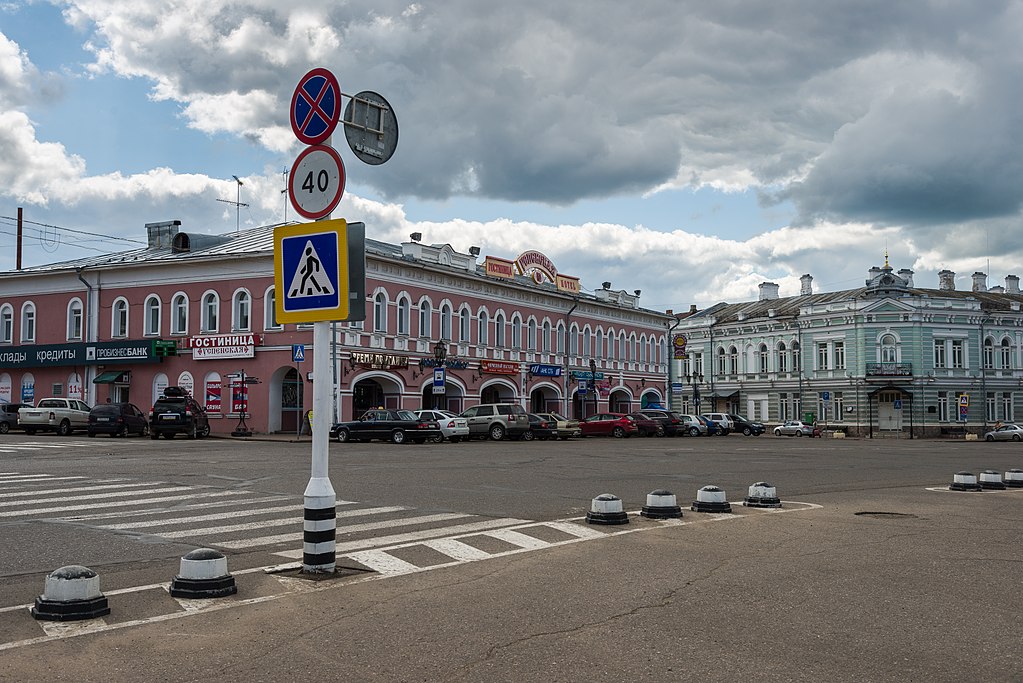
(311, 271)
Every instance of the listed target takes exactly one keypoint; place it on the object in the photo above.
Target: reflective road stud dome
(607, 509)
(964, 481)
(762, 495)
(661, 504)
(711, 499)
(991, 481)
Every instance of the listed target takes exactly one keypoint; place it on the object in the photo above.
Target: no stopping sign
(317, 181)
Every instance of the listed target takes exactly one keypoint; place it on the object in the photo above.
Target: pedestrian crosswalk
(29, 446)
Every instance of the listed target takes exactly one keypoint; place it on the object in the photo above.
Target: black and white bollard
(203, 574)
(762, 495)
(1014, 479)
(71, 593)
(711, 499)
(964, 481)
(661, 504)
(991, 481)
(607, 509)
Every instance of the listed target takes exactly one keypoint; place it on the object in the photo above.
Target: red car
(618, 425)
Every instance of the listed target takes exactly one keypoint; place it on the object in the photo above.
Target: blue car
(713, 428)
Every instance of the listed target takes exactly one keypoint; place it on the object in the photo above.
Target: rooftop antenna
(237, 204)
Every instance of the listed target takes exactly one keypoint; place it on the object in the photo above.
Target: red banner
(499, 367)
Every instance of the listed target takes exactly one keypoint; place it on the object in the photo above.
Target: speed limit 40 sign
(317, 181)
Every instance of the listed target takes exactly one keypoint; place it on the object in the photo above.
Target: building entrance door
(889, 417)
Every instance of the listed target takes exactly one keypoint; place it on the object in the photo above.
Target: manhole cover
(887, 515)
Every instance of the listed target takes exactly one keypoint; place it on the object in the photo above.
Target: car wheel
(799, 433)
(694, 431)
(191, 433)
(989, 438)
(4, 427)
(618, 433)
(497, 432)
(659, 432)
(746, 431)
(65, 428)
(145, 431)
(122, 432)
(777, 432)
(1015, 437)
(343, 436)
(436, 439)
(528, 436)
(397, 436)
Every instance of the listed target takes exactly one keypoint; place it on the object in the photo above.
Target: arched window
(380, 312)
(6, 324)
(610, 344)
(573, 340)
(722, 361)
(1006, 353)
(762, 355)
(179, 314)
(889, 349)
(445, 322)
(483, 328)
(241, 311)
(796, 363)
(119, 318)
(499, 330)
(464, 324)
(74, 319)
(989, 353)
(733, 360)
(642, 349)
(28, 322)
(623, 352)
(546, 337)
(531, 345)
(587, 345)
(270, 310)
(516, 332)
(404, 307)
(782, 360)
(598, 347)
(632, 348)
(425, 317)
(210, 312)
(561, 338)
(151, 324)
(160, 382)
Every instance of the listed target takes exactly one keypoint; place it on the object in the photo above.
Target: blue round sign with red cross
(316, 106)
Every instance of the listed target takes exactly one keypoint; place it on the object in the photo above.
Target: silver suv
(723, 421)
(496, 420)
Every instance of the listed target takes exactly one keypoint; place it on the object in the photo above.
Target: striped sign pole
(319, 540)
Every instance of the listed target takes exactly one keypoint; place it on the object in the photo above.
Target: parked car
(452, 427)
(747, 427)
(60, 415)
(670, 422)
(176, 412)
(694, 426)
(117, 419)
(794, 428)
(566, 428)
(723, 421)
(1007, 432)
(713, 428)
(647, 425)
(618, 425)
(540, 428)
(396, 426)
(9, 417)
(496, 420)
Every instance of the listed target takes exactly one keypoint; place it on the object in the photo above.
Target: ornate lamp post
(593, 383)
(440, 354)
(695, 379)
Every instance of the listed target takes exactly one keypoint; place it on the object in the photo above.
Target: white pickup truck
(61, 415)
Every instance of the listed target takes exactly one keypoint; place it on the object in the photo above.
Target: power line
(72, 230)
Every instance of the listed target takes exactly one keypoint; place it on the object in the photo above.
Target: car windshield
(406, 415)
(109, 409)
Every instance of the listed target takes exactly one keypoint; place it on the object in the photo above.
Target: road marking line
(457, 550)
(517, 538)
(22, 494)
(576, 530)
(207, 531)
(290, 538)
(192, 506)
(114, 504)
(96, 496)
(381, 562)
(34, 479)
(201, 518)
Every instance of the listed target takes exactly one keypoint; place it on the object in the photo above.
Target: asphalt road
(869, 572)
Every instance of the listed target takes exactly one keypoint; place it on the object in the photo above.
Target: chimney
(806, 285)
(1011, 284)
(768, 290)
(669, 312)
(692, 309)
(162, 234)
(907, 275)
(947, 281)
(979, 282)
(872, 274)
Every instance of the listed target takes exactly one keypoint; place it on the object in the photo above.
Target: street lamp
(695, 379)
(593, 383)
(440, 353)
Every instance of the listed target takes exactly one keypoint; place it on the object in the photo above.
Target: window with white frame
(838, 400)
(722, 361)
(942, 406)
(270, 321)
(762, 356)
(531, 335)
(380, 312)
(610, 344)
(119, 318)
(151, 310)
(958, 357)
(573, 341)
(733, 360)
(28, 322)
(241, 311)
(989, 354)
(632, 348)
(598, 347)
(483, 328)
(797, 364)
(210, 312)
(642, 349)
(179, 314)
(783, 358)
(425, 318)
(499, 330)
(561, 338)
(822, 355)
(74, 319)
(6, 324)
(839, 349)
(889, 349)
(623, 351)
(464, 325)
(546, 337)
(1005, 349)
(990, 404)
(698, 363)
(587, 346)
(516, 332)
(404, 314)
(445, 321)
(940, 358)
(1007, 411)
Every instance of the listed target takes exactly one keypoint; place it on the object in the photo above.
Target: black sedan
(118, 419)
(540, 428)
(396, 426)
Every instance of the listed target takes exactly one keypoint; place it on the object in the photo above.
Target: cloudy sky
(690, 149)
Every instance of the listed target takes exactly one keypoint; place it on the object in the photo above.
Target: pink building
(504, 331)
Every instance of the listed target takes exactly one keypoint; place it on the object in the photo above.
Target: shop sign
(538, 370)
(449, 363)
(586, 374)
(498, 267)
(536, 265)
(499, 367)
(380, 361)
(678, 345)
(217, 346)
(569, 284)
(93, 353)
(102, 353)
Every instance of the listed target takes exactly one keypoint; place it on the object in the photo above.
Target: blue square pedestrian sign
(311, 271)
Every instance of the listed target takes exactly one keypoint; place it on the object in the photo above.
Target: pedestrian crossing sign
(311, 271)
